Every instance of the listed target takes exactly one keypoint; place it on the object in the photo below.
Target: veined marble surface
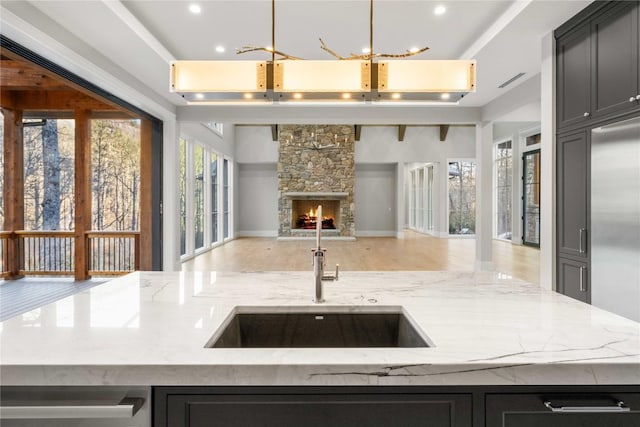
(150, 328)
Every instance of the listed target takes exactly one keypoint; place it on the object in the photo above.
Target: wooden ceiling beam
(51, 101)
(444, 130)
(357, 131)
(401, 131)
(15, 75)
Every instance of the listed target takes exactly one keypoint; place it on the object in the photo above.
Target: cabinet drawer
(332, 409)
(555, 410)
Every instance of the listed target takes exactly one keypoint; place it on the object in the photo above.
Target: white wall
(375, 198)
(257, 200)
(253, 144)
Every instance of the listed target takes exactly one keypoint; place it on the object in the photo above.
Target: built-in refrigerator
(615, 218)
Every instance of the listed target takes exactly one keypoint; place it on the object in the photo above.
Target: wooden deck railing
(52, 253)
(113, 252)
(45, 252)
(5, 240)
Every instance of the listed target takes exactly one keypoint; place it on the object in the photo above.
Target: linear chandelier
(353, 79)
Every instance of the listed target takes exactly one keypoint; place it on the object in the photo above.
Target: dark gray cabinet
(295, 406)
(573, 194)
(574, 77)
(573, 279)
(393, 406)
(598, 64)
(614, 35)
(553, 410)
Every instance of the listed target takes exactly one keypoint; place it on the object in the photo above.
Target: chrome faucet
(318, 260)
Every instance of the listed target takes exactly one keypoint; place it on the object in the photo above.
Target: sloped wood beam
(401, 131)
(82, 180)
(357, 130)
(274, 133)
(13, 188)
(444, 130)
(52, 100)
(14, 75)
(146, 192)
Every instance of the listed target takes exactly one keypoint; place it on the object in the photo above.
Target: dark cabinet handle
(619, 407)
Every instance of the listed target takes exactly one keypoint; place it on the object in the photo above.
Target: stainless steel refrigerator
(615, 218)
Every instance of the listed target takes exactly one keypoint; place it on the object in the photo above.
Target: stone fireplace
(316, 166)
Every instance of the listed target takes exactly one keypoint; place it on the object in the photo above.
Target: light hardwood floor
(414, 252)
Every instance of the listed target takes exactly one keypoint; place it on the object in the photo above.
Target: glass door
(531, 198)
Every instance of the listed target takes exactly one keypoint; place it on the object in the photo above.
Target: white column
(170, 197)
(516, 189)
(547, 168)
(484, 211)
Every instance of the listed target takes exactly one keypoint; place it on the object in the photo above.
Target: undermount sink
(318, 327)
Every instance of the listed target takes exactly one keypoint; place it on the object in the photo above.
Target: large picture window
(462, 197)
(206, 201)
(503, 189)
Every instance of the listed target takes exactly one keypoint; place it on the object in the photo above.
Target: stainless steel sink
(316, 327)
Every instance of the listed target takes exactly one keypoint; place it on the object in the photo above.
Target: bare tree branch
(246, 49)
(369, 56)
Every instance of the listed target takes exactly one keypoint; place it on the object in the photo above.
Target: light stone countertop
(150, 328)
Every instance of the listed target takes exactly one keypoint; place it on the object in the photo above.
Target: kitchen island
(487, 329)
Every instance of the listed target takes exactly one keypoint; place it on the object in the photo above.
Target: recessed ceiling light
(195, 8)
(440, 10)
(269, 48)
(445, 96)
(199, 96)
(366, 50)
(220, 49)
(414, 49)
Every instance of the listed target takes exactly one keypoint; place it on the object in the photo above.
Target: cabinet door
(529, 410)
(573, 194)
(573, 77)
(573, 279)
(615, 59)
(335, 410)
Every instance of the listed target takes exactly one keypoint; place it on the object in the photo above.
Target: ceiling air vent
(511, 80)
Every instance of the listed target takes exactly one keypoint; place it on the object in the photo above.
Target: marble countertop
(150, 328)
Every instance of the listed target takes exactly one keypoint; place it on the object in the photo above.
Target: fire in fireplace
(304, 215)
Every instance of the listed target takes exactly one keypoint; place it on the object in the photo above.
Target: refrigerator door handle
(583, 288)
(583, 232)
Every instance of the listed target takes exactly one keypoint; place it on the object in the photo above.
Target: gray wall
(378, 147)
(375, 198)
(257, 200)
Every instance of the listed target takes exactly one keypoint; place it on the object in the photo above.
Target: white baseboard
(257, 233)
(369, 233)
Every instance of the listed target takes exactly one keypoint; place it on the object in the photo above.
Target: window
(412, 200)
(462, 197)
(420, 196)
(225, 197)
(430, 197)
(214, 198)
(217, 127)
(532, 140)
(198, 195)
(531, 198)
(503, 189)
(183, 196)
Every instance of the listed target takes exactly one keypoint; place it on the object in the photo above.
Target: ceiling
(140, 37)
